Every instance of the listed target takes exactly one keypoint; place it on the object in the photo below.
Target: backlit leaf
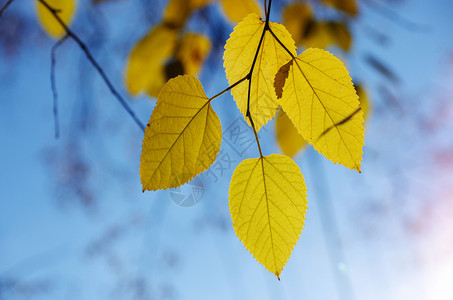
(325, 34)
(341, 34)
(176, 13)
(297, 18)
(240, 51)
(288, 138)
(182, 138)
(268, 203)
(196, 4)
(364, 101)
(236, 10)
(145, 67)
(192, 51)
(348, 6)
(66, 12)
(321, 101)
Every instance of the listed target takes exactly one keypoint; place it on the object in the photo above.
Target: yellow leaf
(341, 35)
(348, 6)
(321, 101)
(182, 138)
(196, 4)
(176, 13)
(318, 35)
(236, 10)
(239, 54)
(306, 31)
(49, 23)
(288, 138)
(192, 52)
(324, 34)
(268, 203)
(364, 101)
(297, 18)
(145, 67)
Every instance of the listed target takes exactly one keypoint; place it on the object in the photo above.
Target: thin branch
(5, 7)
(54, 86)
(268, 12)
(256, 137)
(90, 57)
(265, 8)
(249, 75)
(280, 42)
(228, 88)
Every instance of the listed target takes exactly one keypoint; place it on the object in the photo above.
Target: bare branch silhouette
(90, 57)
(53, 85)
(5, 7)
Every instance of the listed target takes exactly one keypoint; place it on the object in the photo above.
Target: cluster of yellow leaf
(166, 52)
(348, 6)
(160, 56)
(267, 194)
(307, 31)
(66, 9)
(310, 32)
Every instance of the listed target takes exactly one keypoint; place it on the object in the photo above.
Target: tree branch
(250, 74)
(54, 86)
(90, 57)
(268, 13)
(5, 7)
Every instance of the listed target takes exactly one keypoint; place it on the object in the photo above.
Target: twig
(90, 57)
(54, 86)
(228, 88)
(268, 11)
(5, 7)
(250, 74)
(281, 43)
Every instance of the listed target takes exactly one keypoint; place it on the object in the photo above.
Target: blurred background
(74, 223)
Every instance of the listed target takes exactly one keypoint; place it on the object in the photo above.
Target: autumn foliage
(311, 93)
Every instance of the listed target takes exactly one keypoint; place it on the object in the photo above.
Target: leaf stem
(280, 42)
(90, 57)
(265, 8)
(256, 137)
(228, 88)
